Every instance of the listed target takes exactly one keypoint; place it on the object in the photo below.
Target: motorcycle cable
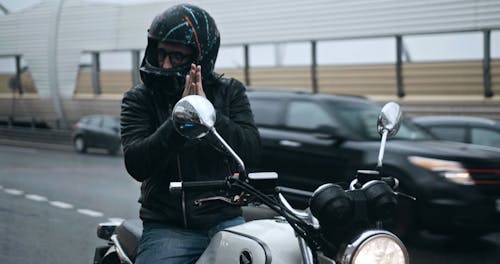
(303, 229)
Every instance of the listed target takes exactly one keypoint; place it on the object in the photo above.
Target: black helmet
(187, 25)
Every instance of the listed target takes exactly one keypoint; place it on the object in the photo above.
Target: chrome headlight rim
(349, 253)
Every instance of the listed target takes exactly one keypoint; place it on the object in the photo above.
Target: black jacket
(155, 154)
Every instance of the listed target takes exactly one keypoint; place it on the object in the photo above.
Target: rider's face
(171, 55)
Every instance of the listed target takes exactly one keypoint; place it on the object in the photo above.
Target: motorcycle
(339, 226)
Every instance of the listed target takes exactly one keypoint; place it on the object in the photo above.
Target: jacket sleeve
(238, 129)
(146, 148)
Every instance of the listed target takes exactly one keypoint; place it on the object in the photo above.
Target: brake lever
(199, 202)
(236, 200)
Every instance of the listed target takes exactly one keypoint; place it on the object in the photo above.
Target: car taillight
(76, 126)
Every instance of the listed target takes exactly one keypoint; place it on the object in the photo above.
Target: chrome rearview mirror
(389, 119)
(194, 117)
(388, 124)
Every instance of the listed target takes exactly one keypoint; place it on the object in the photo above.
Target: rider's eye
(179, 57)
(161, 55)
(175, 57)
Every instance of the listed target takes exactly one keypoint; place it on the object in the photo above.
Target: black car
(97, 131)
(467, 129)
(311, 139)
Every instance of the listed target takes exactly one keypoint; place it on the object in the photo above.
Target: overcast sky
(465, 46)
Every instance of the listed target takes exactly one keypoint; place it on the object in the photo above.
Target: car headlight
(451, 170)
(375, 246)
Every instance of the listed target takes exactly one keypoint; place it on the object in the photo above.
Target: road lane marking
(90, 212)
(61, 205)
(36, 197)
(18, 149)
(13, 192)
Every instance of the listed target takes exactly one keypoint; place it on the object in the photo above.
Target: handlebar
(178, 187)
(365, 176)
(262, 181)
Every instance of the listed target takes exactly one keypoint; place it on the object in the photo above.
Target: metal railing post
(247, 64)
(399, 65)
(96, 69)
(314, 67)
(18, 75)
(488, 92)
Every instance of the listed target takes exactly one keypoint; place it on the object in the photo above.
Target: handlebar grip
(177, 187)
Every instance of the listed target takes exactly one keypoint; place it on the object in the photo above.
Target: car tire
(79, 144)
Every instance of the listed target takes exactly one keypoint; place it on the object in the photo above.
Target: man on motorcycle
(182, 48)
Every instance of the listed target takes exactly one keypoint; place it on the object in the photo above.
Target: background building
(61, 52)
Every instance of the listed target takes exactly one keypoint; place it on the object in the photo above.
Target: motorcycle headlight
(450, 170)
(375, 246)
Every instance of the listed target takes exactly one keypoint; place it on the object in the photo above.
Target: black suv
(311, 139)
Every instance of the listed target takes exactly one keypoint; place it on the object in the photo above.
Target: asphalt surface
(51, 201)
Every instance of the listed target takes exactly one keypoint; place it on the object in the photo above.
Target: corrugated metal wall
(265, 21)
(26, 33)
(495, 79)
(85, 26)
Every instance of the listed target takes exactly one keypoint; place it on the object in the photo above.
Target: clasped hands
(193, 84)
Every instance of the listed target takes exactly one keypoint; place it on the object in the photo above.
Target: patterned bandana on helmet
(183, 24)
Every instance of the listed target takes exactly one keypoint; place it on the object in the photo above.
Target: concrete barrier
(35, 137)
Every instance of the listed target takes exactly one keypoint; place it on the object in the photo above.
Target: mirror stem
(382, 149)
(241, 165)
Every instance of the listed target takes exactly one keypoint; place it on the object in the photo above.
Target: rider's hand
(193, 83)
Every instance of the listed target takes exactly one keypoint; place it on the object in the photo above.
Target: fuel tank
(255, 242)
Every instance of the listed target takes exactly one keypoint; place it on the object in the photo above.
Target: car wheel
(79, 144)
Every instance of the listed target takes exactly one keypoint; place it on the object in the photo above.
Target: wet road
(51, 202)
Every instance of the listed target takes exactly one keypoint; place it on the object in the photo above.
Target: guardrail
(36, 135)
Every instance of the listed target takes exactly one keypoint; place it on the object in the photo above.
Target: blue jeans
(171, 245)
